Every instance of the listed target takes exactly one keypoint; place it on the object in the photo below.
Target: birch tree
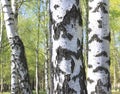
(67, 59)
(14, 73)
(1, 34)
(98, 54)
(17, 48)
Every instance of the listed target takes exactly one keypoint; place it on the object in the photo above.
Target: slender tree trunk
(14, 74)
(1, 34)
(37, 48)
(67, 58)
(46, 49)
(98, 55)
(17, 48)
(46, 64)
(37, 78)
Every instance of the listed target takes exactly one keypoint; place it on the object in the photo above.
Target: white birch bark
(98, 43)
(17, 48)
(67, 58)
(37, 78)
(14, 73)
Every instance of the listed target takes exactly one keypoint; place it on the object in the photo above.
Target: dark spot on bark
(10, 19)
(72, 65)
(77, 2)
(95, 37)
(52, 21)
(90, 8)
(101, 5)
(89, 30)
(67, 35)
(107, 37)
(56, 6)
(57, 29)
(74, 14)
(98, 87)
(78, 43)
(103, 53)
(90, 80)
(108, 62)
(93, 92)
(91, 0)
(82, 80)
(90, 66)
(62, 52)
(99, 23)
(100, 68)
(98, 62)
(66, 89)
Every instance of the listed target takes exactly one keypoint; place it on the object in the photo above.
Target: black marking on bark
(93, 92)
(77, 2)
(72, 65)
(56, 6)
(89, 30)
(91, 0)
(100, 68)
(101, 5)
(90, 8)
(90, 66)
(95, 37)
(67, 35)
(62, 52)
(98, 87)
(82, 80)
(108, 62)
(103, 53)
(99, 23)
(73, 14)
(90, 80)
(11, 19)
(107, 37)
(52, 21)
(78, 43)
(66, 89)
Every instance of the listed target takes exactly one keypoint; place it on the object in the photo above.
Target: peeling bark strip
(98, 56)
(18, 58)
(67, 59)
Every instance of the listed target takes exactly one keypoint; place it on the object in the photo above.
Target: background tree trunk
(17, 48)
(14, 73)
(98, 55)
(1, 35)
(67, 58)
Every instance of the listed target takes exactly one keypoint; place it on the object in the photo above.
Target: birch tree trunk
(67, 58)
(14, 73)
(1, 34)
(18, 58)
(46, 63)
(98, 55)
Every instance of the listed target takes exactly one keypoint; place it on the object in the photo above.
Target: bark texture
(14, 72)
(18, 58)
(98, 54)
(67, 59)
